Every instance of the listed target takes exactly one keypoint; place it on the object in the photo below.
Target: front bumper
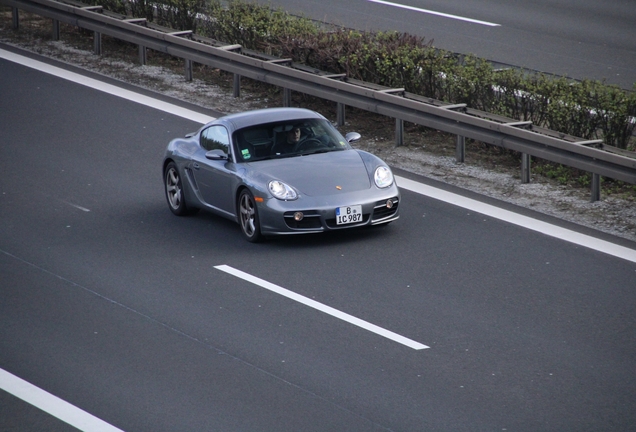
(319, 213)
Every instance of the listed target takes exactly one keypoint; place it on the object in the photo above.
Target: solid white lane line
(52, 404)
(106, 88)
(322, 308)
(430, 12)
(517, 219)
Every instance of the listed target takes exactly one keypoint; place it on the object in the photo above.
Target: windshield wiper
(323, 150)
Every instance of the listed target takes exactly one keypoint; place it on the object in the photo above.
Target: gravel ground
(430, 154)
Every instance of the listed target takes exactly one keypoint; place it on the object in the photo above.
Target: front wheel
(248, 217)
(174, 191)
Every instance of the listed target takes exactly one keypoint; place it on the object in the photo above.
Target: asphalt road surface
(125, 312)
(576, 38)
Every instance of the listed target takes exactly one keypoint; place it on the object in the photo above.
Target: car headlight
(383, 177)
(282, 191)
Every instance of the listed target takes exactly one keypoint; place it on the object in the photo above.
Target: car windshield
(287, 139)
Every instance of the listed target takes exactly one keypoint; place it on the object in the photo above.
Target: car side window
(215, 137)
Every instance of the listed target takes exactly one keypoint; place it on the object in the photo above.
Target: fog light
(298, 216)
(389, 204)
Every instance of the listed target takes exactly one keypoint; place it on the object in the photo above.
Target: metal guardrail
(523, 137)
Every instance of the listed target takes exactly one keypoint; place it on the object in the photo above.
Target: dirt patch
(487, 170)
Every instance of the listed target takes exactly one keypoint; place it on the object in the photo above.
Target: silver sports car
(279, 171)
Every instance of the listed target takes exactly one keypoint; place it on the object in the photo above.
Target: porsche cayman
(279, 171)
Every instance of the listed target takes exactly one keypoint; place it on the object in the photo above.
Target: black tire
(174, 191)
(248, 217)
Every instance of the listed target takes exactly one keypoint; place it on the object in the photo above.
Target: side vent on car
(191, 179)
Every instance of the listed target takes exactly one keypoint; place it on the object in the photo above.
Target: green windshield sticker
(246, 154)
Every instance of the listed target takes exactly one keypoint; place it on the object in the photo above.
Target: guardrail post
(596, 188)
(188, 70)
(55, 32)
(287, 97)
(525, 168)
(340, 114)
(97, 43)
(143, 55)
(399, 132)
(460, 149)
(237, 86)
(15, 15)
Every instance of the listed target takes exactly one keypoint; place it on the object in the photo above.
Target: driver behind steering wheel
(294, 137)
(301, 138)
(287, 146)
(298, 138)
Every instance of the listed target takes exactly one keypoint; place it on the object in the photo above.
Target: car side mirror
(216, 154)
(352, 136)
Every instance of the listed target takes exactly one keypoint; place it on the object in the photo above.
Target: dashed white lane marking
(430, 12)
(84, 209)
(52, 404)
(322, 308)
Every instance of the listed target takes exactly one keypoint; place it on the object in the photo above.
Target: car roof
(267, 115)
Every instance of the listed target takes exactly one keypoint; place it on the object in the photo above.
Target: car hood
(318, 174)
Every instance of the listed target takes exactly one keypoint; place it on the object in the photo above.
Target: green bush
(117, 6)
(253, 26)
(179, 14)
(616, 110)
(472, 83)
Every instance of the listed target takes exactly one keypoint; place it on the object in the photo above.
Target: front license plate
(349, 214)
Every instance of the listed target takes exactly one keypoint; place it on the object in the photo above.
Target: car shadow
(330, 238)
(210, 228)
